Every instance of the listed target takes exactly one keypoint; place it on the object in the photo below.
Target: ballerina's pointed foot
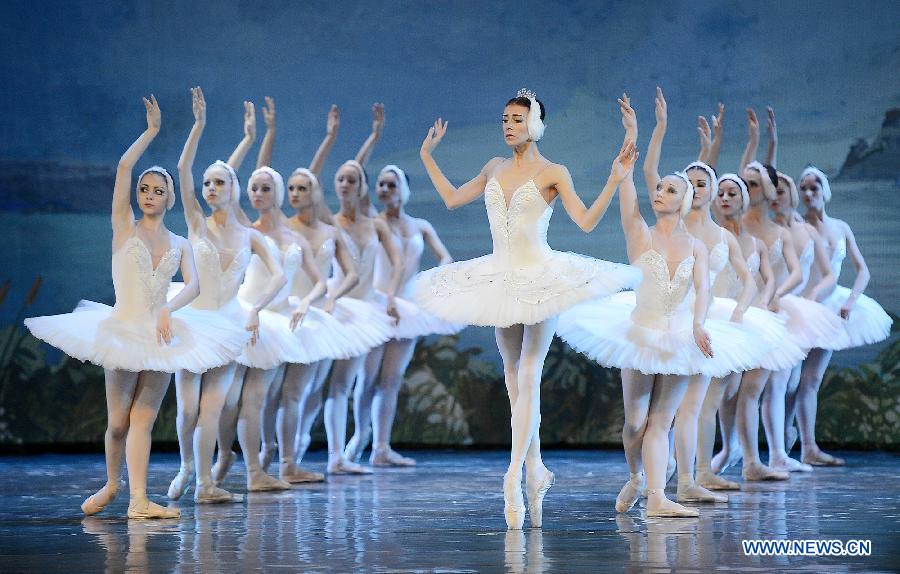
(143, 509)
(724, 460)
(693, 492)
(513, 502)
(819, 458)
(99, 500)
(181, 483)
(210, 494)
(658, 506)
(223, 464)
(537, 487)
(354, 449)
(629, 494)
(294, 474)
(788, 464)
(262, 482)
(708, 479)
(344, 466)
(790, 438)
(757, 471)
(389, 457)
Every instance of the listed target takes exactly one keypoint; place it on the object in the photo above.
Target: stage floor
(443, 516)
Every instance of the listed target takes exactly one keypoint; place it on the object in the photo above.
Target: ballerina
(142, 339)
(375, 396)
(659, 336)
(864, 321)
(523, 285)
(224, 248)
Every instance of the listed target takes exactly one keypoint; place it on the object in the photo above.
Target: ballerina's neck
(700, 217)
(224, 218)
(307, 216)
(815, 215)
(269, 221)
(526, 153)
(152, 223)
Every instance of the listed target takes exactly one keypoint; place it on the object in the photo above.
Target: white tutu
(868, 322)
(202, 340)
(605, 332)
(811, 325)
(771, 328)
(415, 321)
(481, 292)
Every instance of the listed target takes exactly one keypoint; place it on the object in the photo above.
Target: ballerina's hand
(701, 337)
(163, 326)
(752, 124)
(770, 124)
(624, 162)
(845, 311)
(198, 104)
(718, 122)
(154, 116)
(662, 109)
(737, 316)
(629, 120)
(253, 326)
(299, 314)
(705, 133)
(328, 306)
(392, 310)
(775, 304)
(249, 120)
(333, 123)
(377, 118)
(434, 137)
(268, 112)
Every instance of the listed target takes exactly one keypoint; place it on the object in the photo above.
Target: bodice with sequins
(519, 231)
(257, 277)
(140, 288)
(218, 286)
(663, 302)
(364, 260)
(411, 249)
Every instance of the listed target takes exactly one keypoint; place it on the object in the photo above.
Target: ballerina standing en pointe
(523, 285)
(142, 339)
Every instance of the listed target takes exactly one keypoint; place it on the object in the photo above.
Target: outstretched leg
(397, 355)
(752, 385)
(706, 436)
(253, 395)
(773, 405)
(343, 374)
(214, 387)
(730, 454)
(811, 375)
(310, 406)
(187, 395)
(637, 389)
(363, 396)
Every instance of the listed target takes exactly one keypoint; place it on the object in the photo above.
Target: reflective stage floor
(443, 516)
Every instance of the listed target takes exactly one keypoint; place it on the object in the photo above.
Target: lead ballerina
(522, 286)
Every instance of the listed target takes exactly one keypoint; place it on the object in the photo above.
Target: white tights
(343, 373)
(773, 415)
(706, 435)
(200, 400)
(376, 392)
(310, 406)
(752, 385)
(523, 349)
(811, 374)
(132, 403)
(687, 422)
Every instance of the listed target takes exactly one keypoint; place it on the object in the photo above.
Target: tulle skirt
(94, 332)
(868, 322)
(415, 321)
(771, 328)
(487, 292)
(812, 325)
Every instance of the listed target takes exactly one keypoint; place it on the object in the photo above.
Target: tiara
(526, 93)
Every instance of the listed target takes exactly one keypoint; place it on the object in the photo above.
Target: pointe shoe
(214, 495)
(513, 504)
(389, 457)
(757, 471)
(789, 465)
(536, 489)
(262, 482)
(658, 506)
(143, 509)
(629, 494)
(819, 458)
(223, 464)
(181, 483)
(707, 479)
(693, 492)
(266, 453)
(344, 466)
(294, 474)
(100, 500)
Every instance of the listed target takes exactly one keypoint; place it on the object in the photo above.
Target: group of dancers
(710, 316)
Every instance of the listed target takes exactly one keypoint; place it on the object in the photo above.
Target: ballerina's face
(262, 192)
(347, 184)
(515, 128)
(782, 202)
(153, 194)
(702, 187)
(811, 192)
(754, 185)
(388, 189)
(728, 199)
(300, 191)
(669, 194)
(217, 187)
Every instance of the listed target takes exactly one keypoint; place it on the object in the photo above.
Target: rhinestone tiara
(526, 93)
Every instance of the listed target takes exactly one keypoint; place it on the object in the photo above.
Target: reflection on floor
(446, 516)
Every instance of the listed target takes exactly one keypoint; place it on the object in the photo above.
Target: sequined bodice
(728, 285)
(778, 262)
(519, 232)
(807, 257)
(364, 259)
(718, 259)
(217, 286)
(663, 302)
(411, 249)
(258, 275)
(323, 258)
(141, 289)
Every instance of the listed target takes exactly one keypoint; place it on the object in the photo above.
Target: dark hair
(527, 103)
(773, 175)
